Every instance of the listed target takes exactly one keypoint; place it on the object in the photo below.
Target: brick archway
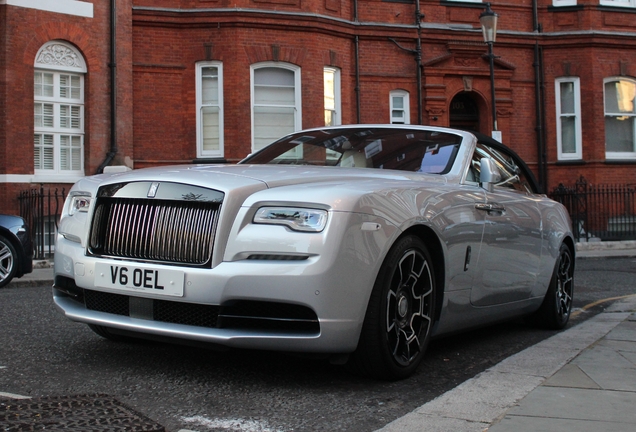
(464, 69)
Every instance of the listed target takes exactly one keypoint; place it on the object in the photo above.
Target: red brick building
(134, 83)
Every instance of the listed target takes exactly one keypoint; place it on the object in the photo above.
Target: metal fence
(41, 210)
(605, 212)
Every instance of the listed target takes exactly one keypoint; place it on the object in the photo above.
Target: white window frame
(562, 3)
(201, 152)
(335, 112)
(620, 155)
(297, 93)
(406, 107)
(618, 3)
(59, 58)
(578, 153)
(70, 7)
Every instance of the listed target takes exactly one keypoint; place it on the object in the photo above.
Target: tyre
(399, 317)
(8, 261)
(556, 308)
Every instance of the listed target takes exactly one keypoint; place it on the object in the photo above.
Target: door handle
(490, 207)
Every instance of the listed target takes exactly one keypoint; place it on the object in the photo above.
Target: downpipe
(113, 89)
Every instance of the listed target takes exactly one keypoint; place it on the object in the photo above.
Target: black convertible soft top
(527, 172)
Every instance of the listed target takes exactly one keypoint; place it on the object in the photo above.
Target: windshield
(413, 150)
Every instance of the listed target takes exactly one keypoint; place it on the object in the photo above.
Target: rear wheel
(8, 261)
(556, 308)
(399, 317)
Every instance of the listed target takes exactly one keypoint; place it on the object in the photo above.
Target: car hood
(340, 189)
(231, 177)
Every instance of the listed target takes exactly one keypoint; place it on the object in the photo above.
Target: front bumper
(314, 305)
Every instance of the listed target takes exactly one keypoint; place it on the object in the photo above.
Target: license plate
(140, 279)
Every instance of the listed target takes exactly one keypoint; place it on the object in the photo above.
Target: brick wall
(158, 49)
(90, 36)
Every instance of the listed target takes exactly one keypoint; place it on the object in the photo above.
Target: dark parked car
(16, 251)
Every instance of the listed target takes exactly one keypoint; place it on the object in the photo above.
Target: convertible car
(359, 243)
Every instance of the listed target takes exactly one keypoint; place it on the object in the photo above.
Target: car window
(437, 157)
(512, 177)
(412, 150)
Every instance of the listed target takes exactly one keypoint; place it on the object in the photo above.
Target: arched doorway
(464, 113)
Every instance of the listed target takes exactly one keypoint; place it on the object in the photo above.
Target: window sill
(617, 8)
(569, 8)
(621, 161)
(40, 178)
(463, 3)
(56, 178)
(565, 162)
(210, 160)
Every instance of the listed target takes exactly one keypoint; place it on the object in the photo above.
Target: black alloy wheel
(555, 311)
(400, 314)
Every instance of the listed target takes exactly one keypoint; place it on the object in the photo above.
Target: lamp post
(488, 20)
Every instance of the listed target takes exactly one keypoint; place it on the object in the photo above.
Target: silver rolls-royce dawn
(359, 243)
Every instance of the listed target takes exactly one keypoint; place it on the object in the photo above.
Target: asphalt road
(43, 354)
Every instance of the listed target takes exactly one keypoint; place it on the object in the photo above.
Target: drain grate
(83, 413)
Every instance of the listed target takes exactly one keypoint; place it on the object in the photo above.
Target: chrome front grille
(154, 230)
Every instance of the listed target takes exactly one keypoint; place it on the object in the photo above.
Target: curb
(605, 245)
(29, 283)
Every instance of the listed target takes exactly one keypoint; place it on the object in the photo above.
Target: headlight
(79, 202)
(297, 219)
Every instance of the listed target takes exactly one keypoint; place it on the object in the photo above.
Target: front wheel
(8, 261)
(399, 318)
(556, 308)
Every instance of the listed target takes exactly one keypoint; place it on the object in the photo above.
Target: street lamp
(488, 20)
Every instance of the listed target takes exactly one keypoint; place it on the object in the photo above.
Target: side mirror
(489, 174)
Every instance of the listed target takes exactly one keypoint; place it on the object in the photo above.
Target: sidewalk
(582, 379)
(42, 274)
(599, 249)
(596, 391)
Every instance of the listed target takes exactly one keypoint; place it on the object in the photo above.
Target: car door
(463, 230)
(510, 255)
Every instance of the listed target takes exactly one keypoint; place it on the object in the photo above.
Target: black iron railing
(605, 212)
(41, 210)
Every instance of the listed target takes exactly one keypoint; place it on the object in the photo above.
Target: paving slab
(578, 404)
(571, 376)
(608, 368)
(624, 332)
(534, 424)
(414, 422)
(483, 399)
